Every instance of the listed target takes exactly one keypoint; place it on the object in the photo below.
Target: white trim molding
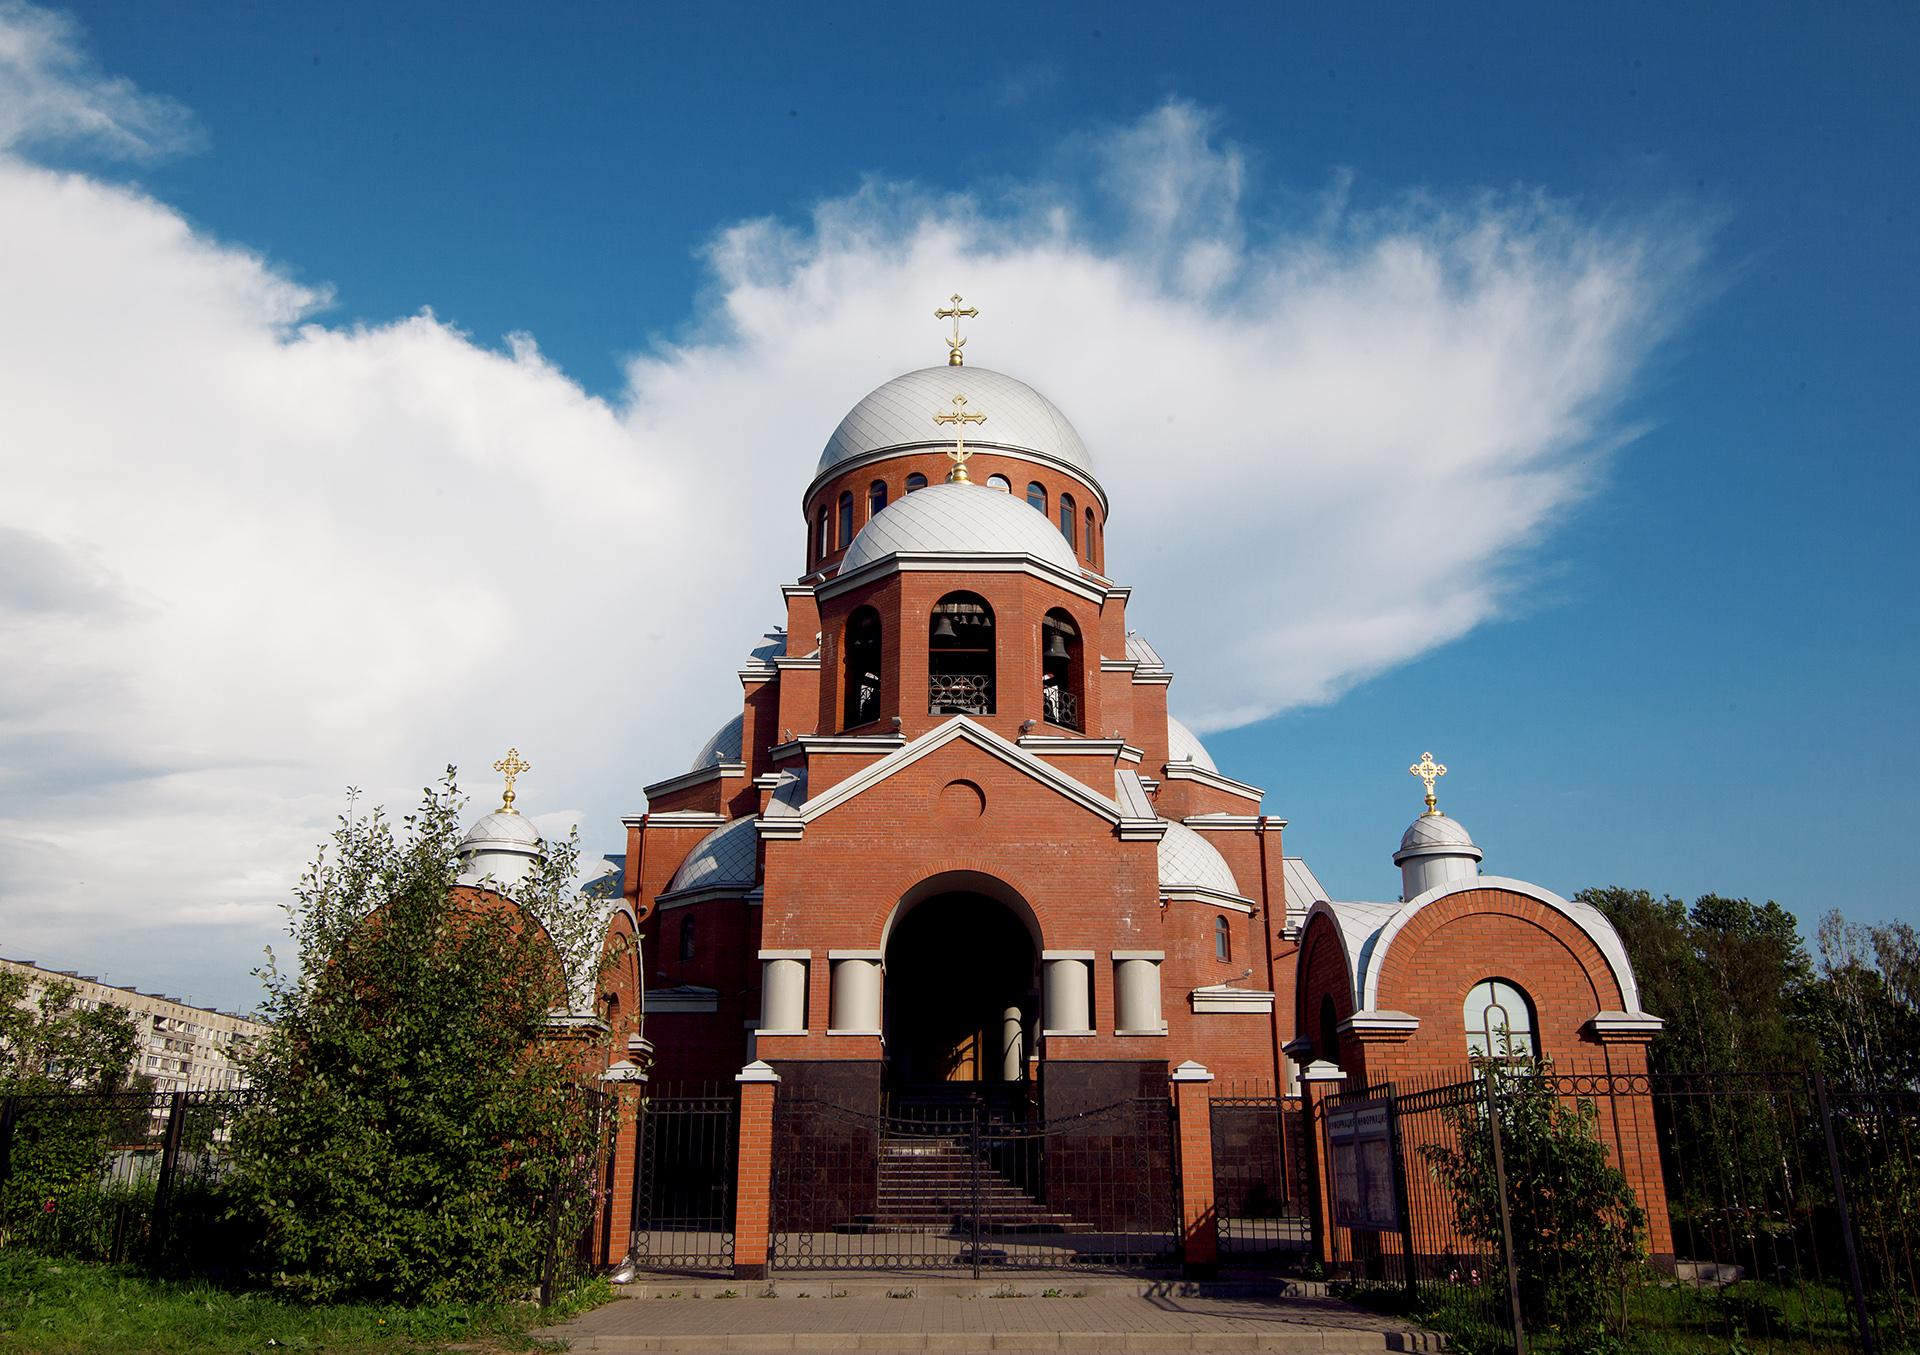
(1193, 771)
(1380, 1023)
(702, 819)
(1624, 1026)
(1221, 998)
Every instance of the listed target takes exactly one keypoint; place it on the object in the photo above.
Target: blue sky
(1686, 667)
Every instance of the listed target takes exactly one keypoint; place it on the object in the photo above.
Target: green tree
(50, 1042)
(1577, 1228)
(412, 1119)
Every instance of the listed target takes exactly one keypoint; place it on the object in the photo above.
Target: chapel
(955, 839)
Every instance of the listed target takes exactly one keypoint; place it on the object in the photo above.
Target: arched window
(1499, 1020)
(1069, 522)
(1328, 1045)
(860, 667)
(1089, 536)
(1001, 483)
(686, 937)
(1037, 497)
(820, 543)
(876, 497)
(916, 481)
(1222, 939)
(1061, 674)
(846, 518)
(960, 656)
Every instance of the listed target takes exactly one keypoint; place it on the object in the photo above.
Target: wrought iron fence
(684, 1182)
(119, 1176)
(1259, 1190)
(1776, 1213)
(960, 1187)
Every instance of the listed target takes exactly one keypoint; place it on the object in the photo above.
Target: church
(957, 842)
(957, 833)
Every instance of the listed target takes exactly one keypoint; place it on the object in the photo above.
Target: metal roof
(959, 519)
(1186, 858)
(724, 746)
(724, 857)
(1184, 746)
(900, 413)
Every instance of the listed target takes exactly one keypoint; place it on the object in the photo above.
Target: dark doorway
(958, 967)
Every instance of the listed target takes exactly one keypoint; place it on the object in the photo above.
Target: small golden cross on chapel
(956, 343)
(959, 452)
(1427, 770)
(511, 766)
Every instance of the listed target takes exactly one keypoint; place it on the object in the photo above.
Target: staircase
(928, 1182)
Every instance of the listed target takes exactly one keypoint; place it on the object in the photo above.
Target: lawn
(82, 1308)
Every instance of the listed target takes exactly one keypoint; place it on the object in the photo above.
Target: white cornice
(1223, 823)
(1027, 454)
(749, 676)
(962, 562)
(784, 828)
(1193, 771)
(790, 591)
(1380, 1022)
(878, 744)
(811, 661)
(1213, 898)
(687, 818)
(1153, 677)
(1065, 745)
(1222, 998)
(959, 727)
(687, 780)
(1119, 665)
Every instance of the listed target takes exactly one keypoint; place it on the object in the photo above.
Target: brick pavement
(1105, 1321)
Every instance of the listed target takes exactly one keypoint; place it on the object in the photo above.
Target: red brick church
(955, 833)
(955, 840)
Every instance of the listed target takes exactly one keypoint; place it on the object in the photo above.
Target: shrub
(1577, 1228)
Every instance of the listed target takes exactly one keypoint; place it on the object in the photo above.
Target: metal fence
(684, 1183)
(967, 1187)
(1259, 1187)
(120, 1176)
(1777, 1213)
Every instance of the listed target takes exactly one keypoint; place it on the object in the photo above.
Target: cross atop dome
(959, 452)
(1428, 771)
(511, 766)
(954, 313)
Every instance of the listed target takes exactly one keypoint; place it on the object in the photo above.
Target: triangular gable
(961, 728)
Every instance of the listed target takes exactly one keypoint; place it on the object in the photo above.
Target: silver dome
(959, 519)
(900, 414)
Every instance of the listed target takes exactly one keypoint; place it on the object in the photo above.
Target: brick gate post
(1193, 1107)
(1318, 1081)
(753, 1178)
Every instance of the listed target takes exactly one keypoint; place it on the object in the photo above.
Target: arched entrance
(961, 991)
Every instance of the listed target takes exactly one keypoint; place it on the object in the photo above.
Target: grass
(1662, 1318)
(58, 1307)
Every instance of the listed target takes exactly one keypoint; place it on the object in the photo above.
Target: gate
(1258, 1189)
(683, 1189)
(963, 1187)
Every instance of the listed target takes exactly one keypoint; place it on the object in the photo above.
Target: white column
(783, 991)
(1136, 992)
(1012, 1046)
(856, 992)
(1069, 992)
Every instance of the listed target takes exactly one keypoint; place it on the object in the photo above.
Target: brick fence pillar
(753, 1179)
(622, 1171)
(1318, 1081)
(1193, 1106)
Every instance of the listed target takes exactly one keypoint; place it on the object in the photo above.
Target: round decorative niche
(962, 800)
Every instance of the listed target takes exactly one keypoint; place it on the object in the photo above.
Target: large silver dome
(900, 414)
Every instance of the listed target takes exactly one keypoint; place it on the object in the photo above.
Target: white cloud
(251, 558)
(51, 95)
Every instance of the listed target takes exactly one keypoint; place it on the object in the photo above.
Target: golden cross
(1428, 770)
(959, 418)
(956, 343)
(511, 766)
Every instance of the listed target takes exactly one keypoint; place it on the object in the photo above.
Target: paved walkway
(1105, 1321)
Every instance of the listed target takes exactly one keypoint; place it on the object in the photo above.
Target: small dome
(1437, 833)
(1182, 746)
(959, 519)
(900, 414)
(724, 858)
(503, 829)
(499, 850)
(1190, 861)
(724, 746)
